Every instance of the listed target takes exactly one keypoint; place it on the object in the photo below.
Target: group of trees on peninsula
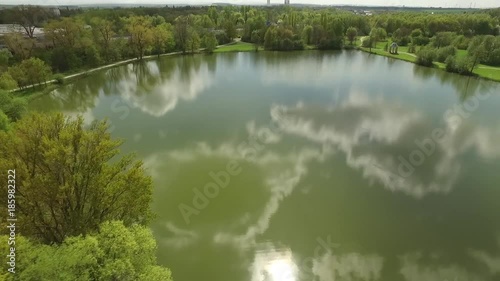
(84, 38)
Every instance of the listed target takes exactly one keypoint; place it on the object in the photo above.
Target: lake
(308, 165)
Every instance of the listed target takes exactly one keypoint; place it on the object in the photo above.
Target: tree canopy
(71, 178)
(113, 252)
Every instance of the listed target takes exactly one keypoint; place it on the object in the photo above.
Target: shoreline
(52, 84)
(436, 65)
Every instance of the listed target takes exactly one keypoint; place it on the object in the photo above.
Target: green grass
(400, 56)
(236, 47)
(484, 71)
(461, 54)
(489, 73)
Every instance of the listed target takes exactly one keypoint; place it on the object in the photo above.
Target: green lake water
(308, 165)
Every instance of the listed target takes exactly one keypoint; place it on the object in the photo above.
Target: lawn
(488, 72)
(481, 70)
(236, 47)
(400, 56)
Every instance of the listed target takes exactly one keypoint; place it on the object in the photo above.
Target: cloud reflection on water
(159, 96)
(374, 133)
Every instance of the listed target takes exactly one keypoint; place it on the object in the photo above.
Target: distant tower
(287, 2)
(268, 2)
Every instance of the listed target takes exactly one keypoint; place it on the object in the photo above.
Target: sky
(413, 3)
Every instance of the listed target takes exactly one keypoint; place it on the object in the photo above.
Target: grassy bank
(237, 47)
(483, 71)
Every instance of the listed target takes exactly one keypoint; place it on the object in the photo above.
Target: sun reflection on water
(274, 265)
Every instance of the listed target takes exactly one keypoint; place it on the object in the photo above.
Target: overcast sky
(416, 3)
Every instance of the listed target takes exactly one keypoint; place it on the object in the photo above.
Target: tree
(210, 42)
(307, 34)
(256, 39)
(163, 39)
(194, 41)
(351, 33)
(67, 33)
(19, 75)
(378, 34)
(29, 17)
(426, 56)
(443, 39)
(103, 32)
(4, 122)
(71, 179)
(36, 70)
(21, 47)
(72, 44)
(460, 66)
(212, 13)
(401, 36)
(7, 82)
(443, 53)
(141, 35)
(5, 56)
(182, 33)
(14, 108)
(476, 52)
(114, 252)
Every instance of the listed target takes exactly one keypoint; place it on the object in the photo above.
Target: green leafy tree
(14, 108)
(72, 44)
(141, 35)
(21, 47)
(163, 39)
(7, 82)
(351, 34)
(36, 70)
(443, 53)
(376, 35)
(307, 34)
(256, 39)
(426, 56)
(210, 42)
(461, 65)
(5, 57)
(181, 33)
(4, 124)
(476, 52)
(443, 39)
(19, 75)
(194, 41)
(70, 179)
(114, 252)
(103, 32)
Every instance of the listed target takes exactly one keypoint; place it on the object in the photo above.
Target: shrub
(412, 48)
(222, 38)
(421, 40)
(461, 66)
(59, 79)
(443, 53)
(367, 42)
(461, 42)
(426, 56)
(450, 63)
